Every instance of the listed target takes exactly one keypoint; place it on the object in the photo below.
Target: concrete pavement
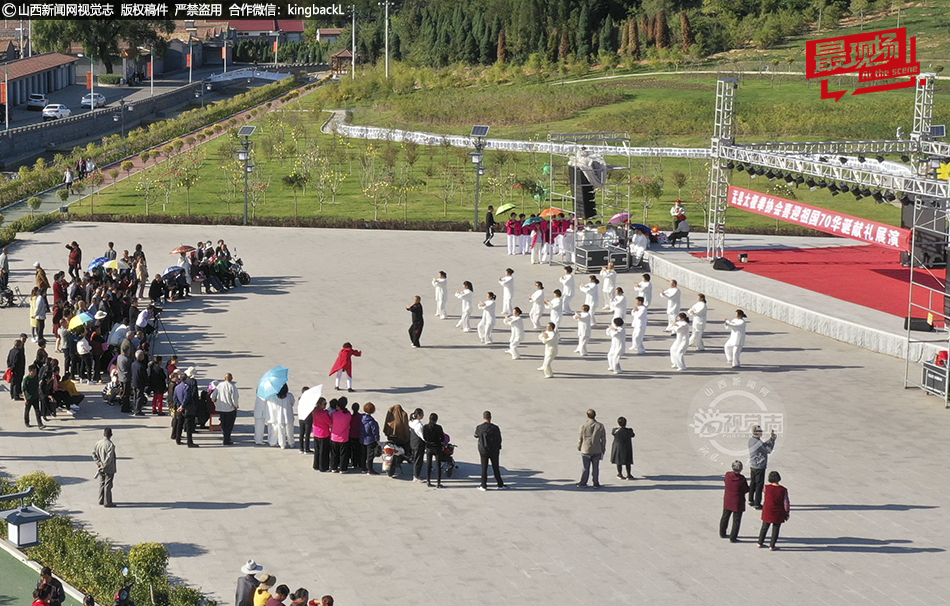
(861, 457)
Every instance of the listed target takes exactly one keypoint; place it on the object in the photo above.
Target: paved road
(862, 458)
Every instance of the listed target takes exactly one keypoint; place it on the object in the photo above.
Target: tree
(634, 40)
(679, 180)
(687, 32)
(187, 174)
(95, 180)
(144, 156)
(114, 174)
(584, 34)
(502, 50)
(646, 28)
(127, 167)
(861, 8)
(564, 49)
(661, 30)
(296, 181)
(35, 202)
(648, 191)
(100, 37)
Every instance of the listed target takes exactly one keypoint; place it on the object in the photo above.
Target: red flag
(88, 80)
(224, 52)
(188, 61)
(3, 93)
(150, 69)
(275, 46)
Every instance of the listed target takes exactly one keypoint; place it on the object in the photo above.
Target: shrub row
(8, 233)
(44, 175)
(91, 564)
(323, 222)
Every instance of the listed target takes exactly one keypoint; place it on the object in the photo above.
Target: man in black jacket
(139, 382)
(489, 447)
(123, 364)
(186, 401)
(16, 362)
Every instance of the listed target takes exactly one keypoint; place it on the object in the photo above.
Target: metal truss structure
(828, 162)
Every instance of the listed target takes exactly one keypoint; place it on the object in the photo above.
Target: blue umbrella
(97, 263)
(272, 381)
(531, 221)
(171, 270)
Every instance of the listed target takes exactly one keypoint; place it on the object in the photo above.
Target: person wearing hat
(42, 282)
(244, 595)
(262, 593)
(186, 402)
(733, 502)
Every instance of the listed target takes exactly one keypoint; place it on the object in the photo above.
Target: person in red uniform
(344, 364)
(775, 509)
(733, 502)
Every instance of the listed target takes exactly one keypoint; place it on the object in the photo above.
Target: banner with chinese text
(821, 219)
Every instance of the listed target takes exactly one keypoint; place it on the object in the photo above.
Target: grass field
(391, 181)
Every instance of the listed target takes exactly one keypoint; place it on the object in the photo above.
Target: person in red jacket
(75, 260)
(733, 502)
(775, 509)
(344, 364)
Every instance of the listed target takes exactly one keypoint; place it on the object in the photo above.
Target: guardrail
(544, 147)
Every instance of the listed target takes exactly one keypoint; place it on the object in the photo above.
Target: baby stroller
(447, 458)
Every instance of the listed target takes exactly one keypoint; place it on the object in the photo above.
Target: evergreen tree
(633, 41)
(583, 34)
(608, 41)
(553, 41)
(486, 46)
(624, 39)
(687, 30)
(661, 32)
(646, 28)
(502, 51)
(565, 48)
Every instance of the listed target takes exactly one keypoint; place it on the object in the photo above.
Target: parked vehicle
(36, 102)
(93, 100)
(55, 111)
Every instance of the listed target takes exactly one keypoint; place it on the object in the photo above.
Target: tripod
(159, 325)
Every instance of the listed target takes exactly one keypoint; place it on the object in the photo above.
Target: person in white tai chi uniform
(567, 289)
(645, 290)
(441, 292)
(678, 349)
(507, 290)
(465, 294)
(550, 338)
(609, 277)
(736, 339)
(698, 314)
(591, 292)
(516, 323)
(583, 318)
(673, 296)
(638, 327)
(618, 304)
(537, 301)
(555, 306)
(487, 323)
(618, 335)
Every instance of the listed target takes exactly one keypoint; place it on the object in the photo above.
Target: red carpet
(865, 275)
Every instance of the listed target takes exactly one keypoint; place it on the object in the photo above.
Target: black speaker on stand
(583, 192)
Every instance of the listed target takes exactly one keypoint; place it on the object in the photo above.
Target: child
(516, 323)
(344, 364)
(621, 451)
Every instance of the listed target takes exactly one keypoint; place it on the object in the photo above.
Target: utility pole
(353, 52)
(387, 4)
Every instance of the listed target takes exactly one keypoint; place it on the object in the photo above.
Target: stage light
(799, 180)
(844, 188)
(866, 192)
(879, 158)
(833, 189)
(835, 192)
(740, 168)
(889, 196)
(759, 170)
(905, 199)
(811, 184)
(751, 171)
(730, 165)
(861, 159)
(789, 178)
(905, 158)
(822, 159)
(822, 184)
(843, 160)
(857, 195)
(878, 197)
(770, 175)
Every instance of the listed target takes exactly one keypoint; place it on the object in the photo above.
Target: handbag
(8, 375)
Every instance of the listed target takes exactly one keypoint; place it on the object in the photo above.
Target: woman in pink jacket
(340, 421)
(321, 436)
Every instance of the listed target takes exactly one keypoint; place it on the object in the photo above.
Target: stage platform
(830, 286)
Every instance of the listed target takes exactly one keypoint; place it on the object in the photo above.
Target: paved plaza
(863, 459)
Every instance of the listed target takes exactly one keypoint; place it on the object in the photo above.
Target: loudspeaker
(583, 192)
(929, 249)
(918, 324)
(724, 264)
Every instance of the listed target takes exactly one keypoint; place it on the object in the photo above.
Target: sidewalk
(51, 202)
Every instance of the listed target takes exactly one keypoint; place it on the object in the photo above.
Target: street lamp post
(387, 4)
(92, 82)
(479, 133)
(191, 36)
(353, 44)
(244, 155)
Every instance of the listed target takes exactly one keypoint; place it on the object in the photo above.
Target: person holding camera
(759, 451)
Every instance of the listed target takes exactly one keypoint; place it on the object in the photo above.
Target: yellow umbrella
(116, 264)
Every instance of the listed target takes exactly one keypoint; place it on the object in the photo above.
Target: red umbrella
(182, 249)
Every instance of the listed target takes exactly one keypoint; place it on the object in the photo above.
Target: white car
(36, 102)
(54, 111)
(93, 100)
